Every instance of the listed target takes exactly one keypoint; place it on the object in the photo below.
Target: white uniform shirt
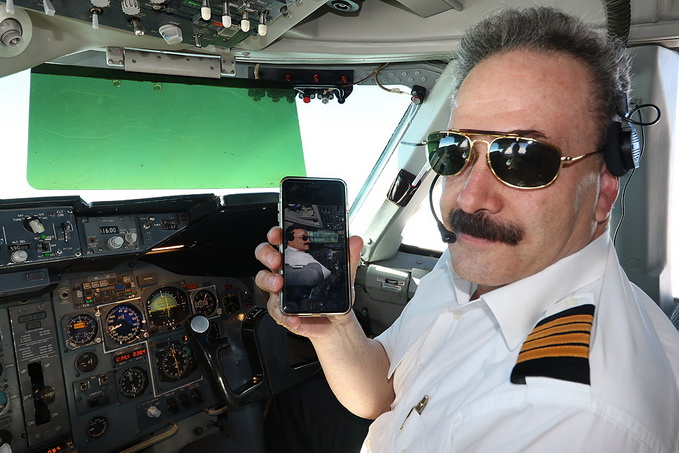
(461, 353)
(295, 257)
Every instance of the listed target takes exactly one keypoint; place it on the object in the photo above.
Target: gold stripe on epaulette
(557, 348)
(563, 337)
(568, 338)
(581, 351)
(565, 320)
(559, 330)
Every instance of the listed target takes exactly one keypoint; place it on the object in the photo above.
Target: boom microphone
(447, 236)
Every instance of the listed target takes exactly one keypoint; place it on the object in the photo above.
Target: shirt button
(420, 366)
(457, 314)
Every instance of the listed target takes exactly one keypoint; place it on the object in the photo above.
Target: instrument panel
(94, 354)
(121, 354)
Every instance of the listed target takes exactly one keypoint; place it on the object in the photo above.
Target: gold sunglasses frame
(473, 155)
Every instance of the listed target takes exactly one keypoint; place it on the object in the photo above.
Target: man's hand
(346, 354)
(272, 282)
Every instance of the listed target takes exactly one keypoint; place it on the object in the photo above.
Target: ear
(608, 193)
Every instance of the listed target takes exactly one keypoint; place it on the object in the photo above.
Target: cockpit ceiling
(290, 31)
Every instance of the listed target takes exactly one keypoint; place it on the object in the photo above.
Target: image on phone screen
(315, 260)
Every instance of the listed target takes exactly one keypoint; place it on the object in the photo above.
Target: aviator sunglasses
(520, 162)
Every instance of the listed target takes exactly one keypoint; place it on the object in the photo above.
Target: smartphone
(313, 217)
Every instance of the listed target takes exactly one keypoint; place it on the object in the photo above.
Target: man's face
(543, 96)
(301, 239)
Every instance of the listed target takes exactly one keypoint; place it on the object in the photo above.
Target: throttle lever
(211, 355)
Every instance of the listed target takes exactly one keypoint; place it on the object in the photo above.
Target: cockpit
(143, 146)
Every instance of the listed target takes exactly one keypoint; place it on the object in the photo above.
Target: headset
(621, 149)
(289, 235)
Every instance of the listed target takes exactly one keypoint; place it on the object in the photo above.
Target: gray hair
(549, 30)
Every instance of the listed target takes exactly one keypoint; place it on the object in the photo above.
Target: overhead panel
(196, 22)
(426, 8)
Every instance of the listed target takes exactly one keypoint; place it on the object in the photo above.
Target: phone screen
(315, 250)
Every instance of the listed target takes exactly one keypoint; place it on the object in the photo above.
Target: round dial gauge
(4, 403)
(97, 426)
(204, 302)
(176, 362)
(86, 362)
(133, 382)
(167, 307)
(81, 330)
(124, 323)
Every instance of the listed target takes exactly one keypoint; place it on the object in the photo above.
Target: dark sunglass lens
(523, 162)
(448, 153)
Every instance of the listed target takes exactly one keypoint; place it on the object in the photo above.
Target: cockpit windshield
(109, 135)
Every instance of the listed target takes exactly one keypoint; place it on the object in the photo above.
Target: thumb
(355, 247)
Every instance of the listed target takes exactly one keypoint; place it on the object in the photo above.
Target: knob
(172, 405)
(226, 15)
(184, 400)
(153, 412)
(131, 238)
(115, 242)
(172, 34)
(245, 22)
(48, 7)
(200, 324)
(262, 28)
(19, 256)
(205, 11)
(11, 33)
(46, 394)
(36, 226)
(130, 7)
(9, 6)
(197, 395)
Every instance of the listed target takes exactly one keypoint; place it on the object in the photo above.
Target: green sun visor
(105, 133)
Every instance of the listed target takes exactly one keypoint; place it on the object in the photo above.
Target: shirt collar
(520, 305)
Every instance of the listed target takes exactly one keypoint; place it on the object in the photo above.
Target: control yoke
(252, 359)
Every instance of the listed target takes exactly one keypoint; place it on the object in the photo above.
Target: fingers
(355, 247)
(267, 254)
(275, 236)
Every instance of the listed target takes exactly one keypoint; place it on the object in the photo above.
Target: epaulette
(558, 348)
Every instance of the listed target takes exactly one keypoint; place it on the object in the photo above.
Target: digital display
(61, 446)
(125, 356)
(108, 229)
(15, 247)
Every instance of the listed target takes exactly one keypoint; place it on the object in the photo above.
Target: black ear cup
(289, 236)
(621, 150)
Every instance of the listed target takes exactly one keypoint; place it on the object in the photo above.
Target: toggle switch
(205, 11)
(262, 28)
(48, 7)
(226, 14)
(95, 17)
(245, 22)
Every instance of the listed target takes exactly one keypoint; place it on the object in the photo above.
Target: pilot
(297, 249)
(526, 336)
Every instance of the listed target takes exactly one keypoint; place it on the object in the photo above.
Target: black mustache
(479, 225)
